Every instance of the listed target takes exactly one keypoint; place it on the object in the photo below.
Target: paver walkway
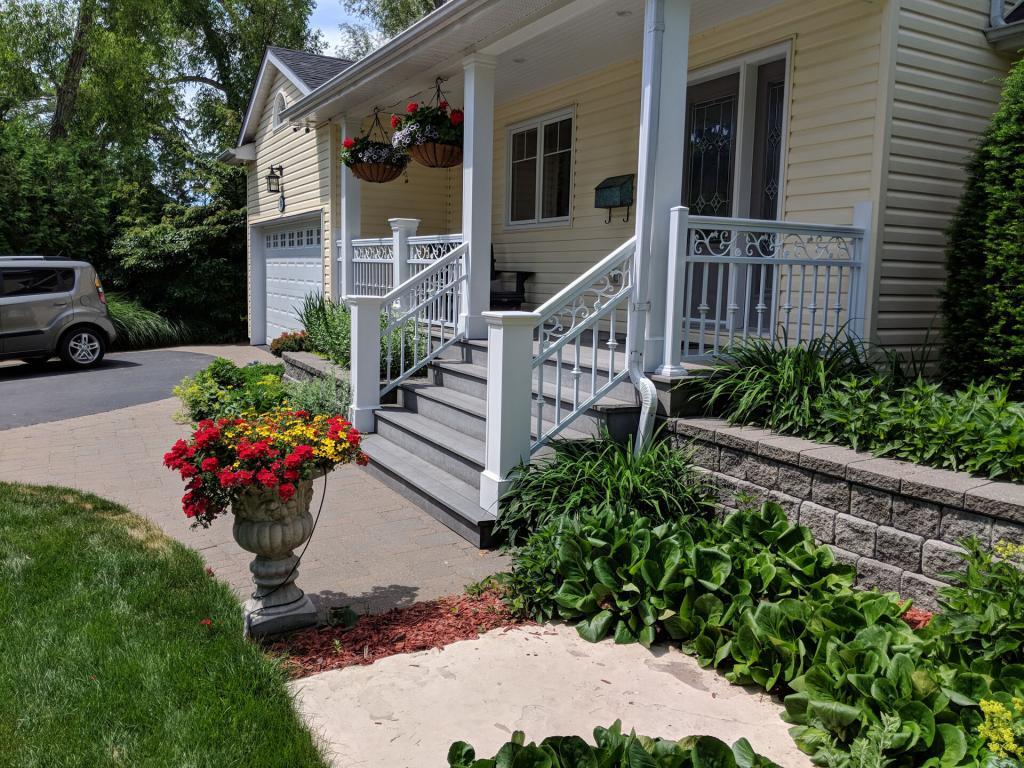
(372, 549)
(405, 711)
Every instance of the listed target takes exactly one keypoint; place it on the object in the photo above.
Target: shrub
(658, 483)
(223, 389)
(755, 597)
(328, 327)
(984, 300)
(326, 396)
(613, 748)
(289, 341)
(139, 328)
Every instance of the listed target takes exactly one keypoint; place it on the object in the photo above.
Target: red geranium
(348, 143)
(395, 121)
(411, 107)
(457, 117)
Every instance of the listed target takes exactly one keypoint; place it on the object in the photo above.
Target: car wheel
(82, 347)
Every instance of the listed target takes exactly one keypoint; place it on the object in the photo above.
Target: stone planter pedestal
(271, 529)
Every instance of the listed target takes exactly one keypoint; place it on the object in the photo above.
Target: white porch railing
(381, 263)
(396, 335)
(373, 266)
(730, 279)
(578, 328)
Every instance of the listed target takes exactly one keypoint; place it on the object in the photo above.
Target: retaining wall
(897, 522)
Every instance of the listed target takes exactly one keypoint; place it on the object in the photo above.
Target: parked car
(51, 306)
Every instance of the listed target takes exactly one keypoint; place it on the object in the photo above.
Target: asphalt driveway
(33, 395)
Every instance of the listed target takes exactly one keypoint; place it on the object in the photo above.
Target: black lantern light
(274, 179)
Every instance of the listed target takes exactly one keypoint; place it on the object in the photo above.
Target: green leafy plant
(658, 483)
(329, 396)
(289, 341)
(139, 328)
(613, 749)
(223, 389)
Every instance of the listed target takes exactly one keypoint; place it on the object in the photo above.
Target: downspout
(640, 305)
(997, 14)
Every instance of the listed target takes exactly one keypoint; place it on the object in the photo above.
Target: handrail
(370, 241)
(395, 293)
(772, 225)
(584, 281)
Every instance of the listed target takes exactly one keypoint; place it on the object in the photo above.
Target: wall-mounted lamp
(274, 179)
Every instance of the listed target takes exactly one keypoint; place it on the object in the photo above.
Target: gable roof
(313, 69)
(306, 71)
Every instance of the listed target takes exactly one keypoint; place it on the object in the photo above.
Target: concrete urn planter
(271, 529)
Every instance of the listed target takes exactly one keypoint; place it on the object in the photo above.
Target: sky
(327, 17)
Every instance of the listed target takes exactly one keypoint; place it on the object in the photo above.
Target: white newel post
(477, 173)
(509, 392)
(401, 231)
(351, 215)
(365, 373)
(662, 121)
(675, 293)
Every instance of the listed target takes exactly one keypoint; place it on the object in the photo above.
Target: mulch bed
(419, 627)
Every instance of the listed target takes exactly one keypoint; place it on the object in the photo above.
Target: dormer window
(279, 107)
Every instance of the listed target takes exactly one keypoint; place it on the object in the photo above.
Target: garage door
(294, 270)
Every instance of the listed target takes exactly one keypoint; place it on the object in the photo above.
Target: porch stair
(429, 446)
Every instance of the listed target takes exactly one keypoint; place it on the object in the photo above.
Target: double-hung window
(540, 170)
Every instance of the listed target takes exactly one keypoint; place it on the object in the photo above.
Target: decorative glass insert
(711, 152)
(770, 185)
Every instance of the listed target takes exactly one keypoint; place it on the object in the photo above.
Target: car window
(29, 281)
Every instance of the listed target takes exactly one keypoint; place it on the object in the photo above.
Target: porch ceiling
(537, 43)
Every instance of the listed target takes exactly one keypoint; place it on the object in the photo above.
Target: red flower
(266, 478)
(286, 491)
(348, 143)
(210, 464)
(412, 107)
(187, 470)
(395, 121)
(362, 460)
(295, 459)
(206, 622)
(443, 104)
(457, 117)
(291, 474)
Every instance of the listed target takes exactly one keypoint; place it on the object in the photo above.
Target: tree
(384, 19)
(983, 302)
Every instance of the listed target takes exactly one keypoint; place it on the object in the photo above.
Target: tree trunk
(67, 90)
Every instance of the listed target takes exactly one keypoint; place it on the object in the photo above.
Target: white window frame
(538, 123)
(280, 105)
(746, 66)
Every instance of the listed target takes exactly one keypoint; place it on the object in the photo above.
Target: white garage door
(294, 270)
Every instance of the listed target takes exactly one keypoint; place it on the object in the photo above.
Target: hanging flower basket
(434, 155)
(431, 133)
(373, 157)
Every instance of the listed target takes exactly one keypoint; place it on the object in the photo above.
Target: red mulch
(917, 618)
(419, 627)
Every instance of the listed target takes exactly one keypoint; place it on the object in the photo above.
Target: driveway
(372, 549)
(33, 395)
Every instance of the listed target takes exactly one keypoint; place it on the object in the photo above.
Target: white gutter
(448, 15)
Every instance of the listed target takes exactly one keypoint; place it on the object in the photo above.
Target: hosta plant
(612, 749)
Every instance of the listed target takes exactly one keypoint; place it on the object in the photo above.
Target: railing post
(401, 231)
(509, 389)
(365, 360)
(675, 293)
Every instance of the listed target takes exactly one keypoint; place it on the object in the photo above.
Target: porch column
(401, 231)
(660, 169)
(477, 174)
(351, 213)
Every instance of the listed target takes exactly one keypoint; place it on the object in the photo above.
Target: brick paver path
(372, 549)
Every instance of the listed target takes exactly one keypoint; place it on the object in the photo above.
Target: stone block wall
(897, 522)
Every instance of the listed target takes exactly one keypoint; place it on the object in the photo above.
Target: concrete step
(462, 412)
(454, 503)
(447, 449)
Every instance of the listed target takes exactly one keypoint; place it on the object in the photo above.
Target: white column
(675, 294)
(477, 175)
(351, 213)
(365, 373)
(659, 174)
(401, 231)
(509, 390)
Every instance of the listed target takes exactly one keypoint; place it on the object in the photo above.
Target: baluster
(703, 308)
(558, 386)
(827, 294)
(539, 400)
(800, 308)
(687, 319)
(839, 298)
(576, 373)
(725, 305)
(761, 306)
(813, 306)
(593, 353)
(612, 345)
(747, 288)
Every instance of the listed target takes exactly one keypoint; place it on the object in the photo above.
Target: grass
(106, 661)
(140, 328)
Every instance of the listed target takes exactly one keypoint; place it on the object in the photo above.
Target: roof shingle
(314, 70)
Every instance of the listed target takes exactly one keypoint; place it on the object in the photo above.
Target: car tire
(82, 347)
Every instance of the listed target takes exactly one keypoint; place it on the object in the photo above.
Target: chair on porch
(503, 296)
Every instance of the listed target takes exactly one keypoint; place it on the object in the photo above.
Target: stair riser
(465, 470)
(478, 535)
(456, 418)
(470, 353)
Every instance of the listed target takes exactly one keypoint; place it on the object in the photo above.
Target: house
(790, 166)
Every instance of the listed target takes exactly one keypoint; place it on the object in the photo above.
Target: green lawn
(104, 659)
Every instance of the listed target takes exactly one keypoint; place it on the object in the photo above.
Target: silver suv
(50, 307)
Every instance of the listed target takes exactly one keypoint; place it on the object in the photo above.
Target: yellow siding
(829, 157)
(946, 86)
(423, 193)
